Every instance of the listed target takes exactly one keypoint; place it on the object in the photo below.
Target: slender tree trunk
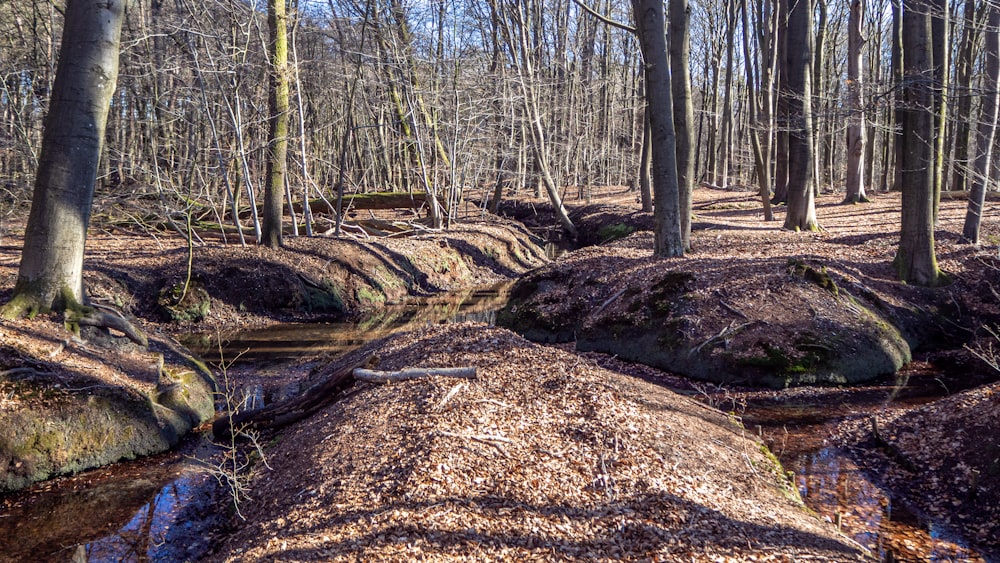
(855, 91)
(680, 84)
(761, 156)
(51, 271)
(915, 261)
(277, 150)
(782, 108)
(650, 26)
(940, 41)
(963, 82)
(987, 129)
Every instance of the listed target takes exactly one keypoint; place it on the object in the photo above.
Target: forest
(491, 279)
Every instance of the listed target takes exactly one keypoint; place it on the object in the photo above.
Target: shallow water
(831, 483)
(155, 509)
(296, 340)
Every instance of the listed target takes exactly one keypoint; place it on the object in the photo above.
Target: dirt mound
(600, 223)
(544, 456)
(309, 279)
(782, 322)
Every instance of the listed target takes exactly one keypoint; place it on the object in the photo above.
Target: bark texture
(987, 129)
(801, 213)
(915, 261)
(51, 271)
(277, 153)
(651, 28)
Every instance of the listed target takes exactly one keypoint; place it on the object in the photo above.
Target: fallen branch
(609, 301)
(375, 376)
(723, 335)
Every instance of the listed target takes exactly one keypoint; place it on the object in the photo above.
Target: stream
(165, 507)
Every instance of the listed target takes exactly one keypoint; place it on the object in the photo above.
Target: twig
(609, 301)
(454, 391)
(723, 334)
(732, 309)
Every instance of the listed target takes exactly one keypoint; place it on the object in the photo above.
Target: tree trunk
(801, 214)
(963, 81)
(987, 129)
(277, 150)
(680, 84)
(855, 104)
(941, 54)
(650, 26)
(761, 152)
(51, 271)
(781, 108)
(915, 261)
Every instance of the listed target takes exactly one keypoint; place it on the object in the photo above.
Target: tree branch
(603, 18)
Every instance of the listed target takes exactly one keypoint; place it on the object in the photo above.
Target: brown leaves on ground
(545, 456)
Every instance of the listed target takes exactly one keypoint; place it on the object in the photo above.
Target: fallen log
(340, 376)
(293, 409)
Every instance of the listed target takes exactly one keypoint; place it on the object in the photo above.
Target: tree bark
(801, 214)
(855, 90)
(987, 129)
(51, 271)
(277, 150)
(915, 260)
(651, 27)
(963, 82)
(680, 84)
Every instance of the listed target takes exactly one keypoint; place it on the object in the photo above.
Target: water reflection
(154, 509)
(287, 341)
(832, 484)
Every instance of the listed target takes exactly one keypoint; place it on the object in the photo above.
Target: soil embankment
(544, 455)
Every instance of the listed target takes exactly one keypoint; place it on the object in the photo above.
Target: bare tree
(277, 161)
(915, 260)
(986, 133)
(801, 213)
(651, 28)
(855, 90)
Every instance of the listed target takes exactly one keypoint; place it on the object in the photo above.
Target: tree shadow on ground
(637, 526)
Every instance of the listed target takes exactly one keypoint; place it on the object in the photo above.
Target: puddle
(160, 508)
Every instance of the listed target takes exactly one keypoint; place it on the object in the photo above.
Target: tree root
(106, 319)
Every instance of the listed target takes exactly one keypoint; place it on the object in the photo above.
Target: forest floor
(546, 455)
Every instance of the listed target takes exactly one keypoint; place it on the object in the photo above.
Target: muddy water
(799, 431)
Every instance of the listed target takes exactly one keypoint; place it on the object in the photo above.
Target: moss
(180, 306)
(325, 299)
(615, 231)
(819, 277)
(664, 294)
(369, 297)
